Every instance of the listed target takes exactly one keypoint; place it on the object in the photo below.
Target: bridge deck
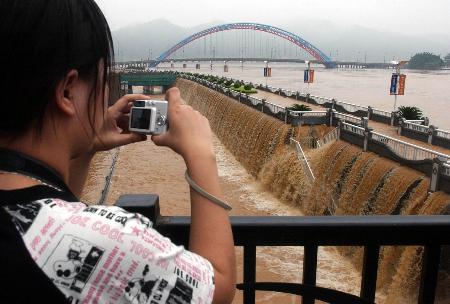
(377, 126)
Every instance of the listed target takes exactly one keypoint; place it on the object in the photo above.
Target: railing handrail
(381, 112)
(330, 136)
(352, 104)
(412, 125)
(305, 112)
(348, 117)
(443, 133)
(447, 157)
(302, 158)
(329, 230)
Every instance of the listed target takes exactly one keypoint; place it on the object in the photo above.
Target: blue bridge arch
(302, 43)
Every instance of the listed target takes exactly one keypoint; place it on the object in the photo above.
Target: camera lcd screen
(140, 118)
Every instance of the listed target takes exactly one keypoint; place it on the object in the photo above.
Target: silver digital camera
(149, 117)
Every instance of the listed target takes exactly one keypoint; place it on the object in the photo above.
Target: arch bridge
(318, 55)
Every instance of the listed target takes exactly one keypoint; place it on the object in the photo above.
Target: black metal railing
(371, 232)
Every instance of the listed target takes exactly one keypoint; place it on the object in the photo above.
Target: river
(428, 90)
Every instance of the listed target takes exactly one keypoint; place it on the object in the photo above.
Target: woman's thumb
(160, 140)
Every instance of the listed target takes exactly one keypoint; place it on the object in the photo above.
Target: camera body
(149, 117)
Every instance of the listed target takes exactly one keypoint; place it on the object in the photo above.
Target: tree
(425, 61)
(410, 113)
(300, 107)
(447, 59)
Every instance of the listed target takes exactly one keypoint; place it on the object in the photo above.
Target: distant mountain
(141, 41)
(345, 43)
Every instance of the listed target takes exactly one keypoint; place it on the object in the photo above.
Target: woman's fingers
(125, 103)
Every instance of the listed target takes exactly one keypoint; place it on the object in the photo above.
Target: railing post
(426, 121)
(369, 272)
(286, 113)
(393, 117)
(339, 130)
(263, 105)
(307, 98)
(240, 94)
(297, 95)
(432, 132)
(429, 275)
(309, 270)
(435, 174)
(364, 122)
(330, 117)
(369, 112)
(400, 126)
(333, 103)
(367, 137)
(249, 273)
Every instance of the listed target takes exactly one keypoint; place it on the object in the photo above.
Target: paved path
(377, 126)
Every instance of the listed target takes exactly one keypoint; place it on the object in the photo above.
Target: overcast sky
(402, 16)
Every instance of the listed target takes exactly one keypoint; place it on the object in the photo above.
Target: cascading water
(348, 181)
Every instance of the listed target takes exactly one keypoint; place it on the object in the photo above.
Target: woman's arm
(113, 133)
(210, 236)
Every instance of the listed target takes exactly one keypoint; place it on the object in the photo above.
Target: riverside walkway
(376, 126)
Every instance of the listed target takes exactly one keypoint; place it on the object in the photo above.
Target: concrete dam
(348, 181)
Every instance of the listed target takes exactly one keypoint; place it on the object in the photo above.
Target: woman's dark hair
(41, 41)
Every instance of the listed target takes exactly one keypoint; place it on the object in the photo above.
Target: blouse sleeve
(99, 254)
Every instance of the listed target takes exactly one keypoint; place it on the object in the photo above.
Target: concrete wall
(415, 134)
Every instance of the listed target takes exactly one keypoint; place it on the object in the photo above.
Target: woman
(56, 58)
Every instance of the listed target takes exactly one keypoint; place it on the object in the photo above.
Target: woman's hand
(189, 132)
(114, 130)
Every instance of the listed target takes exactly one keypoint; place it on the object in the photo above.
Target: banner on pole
(267, 72)
(394, 84)
(308, 76)
(398, 82)
(401, 84)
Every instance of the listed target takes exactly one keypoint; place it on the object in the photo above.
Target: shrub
(299, 107)
(229, 83)
(410, 113)
(237, 85)
(248, 87)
